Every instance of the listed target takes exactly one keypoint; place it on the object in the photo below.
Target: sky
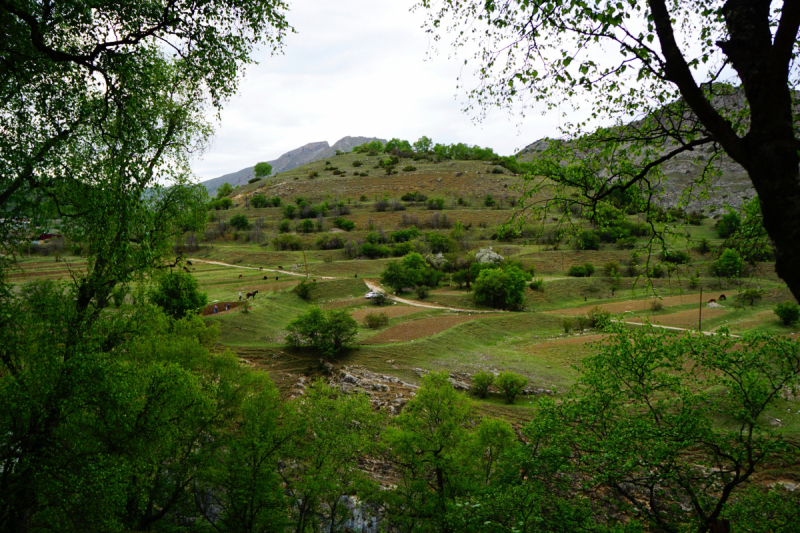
(358, 68)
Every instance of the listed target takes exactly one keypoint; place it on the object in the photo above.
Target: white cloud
(354, 67)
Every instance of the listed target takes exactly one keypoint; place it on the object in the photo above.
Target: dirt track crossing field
(634, 305)
(682, 319)
(417, 329)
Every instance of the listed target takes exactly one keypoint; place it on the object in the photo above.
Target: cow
(240, 276)
(265, 277)
(712, 301)
(251, 294)
(355, 275)
(189, 263)
(280, 267)
(276, 278)
(185, 269)
(722, 298)
(260, 268)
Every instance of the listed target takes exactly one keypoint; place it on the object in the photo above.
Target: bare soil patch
(682, 319)
(392, 311)
(632, 305)
(417, 329)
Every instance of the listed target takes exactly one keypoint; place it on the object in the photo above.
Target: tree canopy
(695, 74)
(262, 170)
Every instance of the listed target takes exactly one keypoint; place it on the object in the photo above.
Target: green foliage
(413, 270)
(422, 291)
(675, 256)
(413, 197)
(507, 232)
(611, 268)
(259, 200)
(436, 203)
(343, 223)
(751, 295)
(329, 242)
(537, 285)
(224, 190)
(500, 288)
(328, 331)
(488, 201)
(177, 294)
(441, 244)
(305, 289)
(423, 145)
(287, 242)
(729, 264)
(305, 226)
(375, 251)
(376, 320)
(788, 312)
(285, 226)
(728, 224)
(289, 211)
(262, 170)
(588, 240)
(568, 323)
(510, 385)
(240, 222)
(275, 201)
(409, 168)
(404, 235)
(481, 383)
(704, 246)
(581, 271)
(253, 180)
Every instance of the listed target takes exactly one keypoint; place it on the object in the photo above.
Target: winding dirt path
(375, 287)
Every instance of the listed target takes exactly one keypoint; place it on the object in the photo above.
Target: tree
(423, 145)
(788, 312)
(728, 224)
(224, 190)
(729, 264)
(481, 383)
(262, 170)
(653, 409)
(328, 331)
(500, 288)
(177, 295)
(546, 52)
(259, 201)
(510, 385)
(240, 222)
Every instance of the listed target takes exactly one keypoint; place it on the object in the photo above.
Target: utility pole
(700, 321)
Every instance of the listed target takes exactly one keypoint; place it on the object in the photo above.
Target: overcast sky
(354, 67)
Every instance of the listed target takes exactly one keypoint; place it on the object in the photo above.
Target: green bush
(751, 295)
(304, 289)
(376, 320)
(414, 197)
(507, 232)
(577, 271)
(305, 226)
(329, 242)
(568, 323)
(436, 203)
(357, 163)
(423, 291)
(259, 200)
(537, 285)
(240, 222)
(788, 312)
(675, 256)
(611, 269)
(289, 211)
(177, 294)
(275, 201)
(285, 226)
(704, 246)
(402, 249)
(253, 180)
(500, 288)
(328, 331)
(728, 224)
(588, 240)
(343, 223)
(409, 168)
(497, 170)
(589, 269)
(481, 383)
(404, 235)
(510, 385)
(488, 201)
(287, 242)
(374, 251)
(441, 244)
(729, 264)
(598, 317)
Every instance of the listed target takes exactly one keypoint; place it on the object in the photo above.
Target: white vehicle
(373, 294)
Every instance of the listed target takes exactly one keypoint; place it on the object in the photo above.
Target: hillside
(299, 156)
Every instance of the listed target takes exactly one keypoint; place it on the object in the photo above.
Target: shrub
(380, 299)
(729, 264)
(373, 251)
(275, 201)
(285, 226)
(177, 294)
(376, 320)
(510, 385)
(329, 242)
(675, 256)
(381, 205)
(788, 312)
(500, 288)
(626, 243)
(728, 224)
(357, 163)
(588, 240)
(598, 317)
(414, 197)
(704, 246)
(577, 271)
(506, 232)
(304, 289)
(287, 242)
(423, 291)
(582, 322)
(441, 244)
(404, 235)
(589, 269)
(258, 201)
(343, 223)
(656, 305)
(537, 285)
(306, 226)
(657, 272)
(488, 201)
(289, 211)
(401, 249)
(497, 170)
(328, 331)
(751, 295)
(611, 269)
(481, 383)
(437, 204)
(694, 282)
(253, 180)
(409, 168)
(568, 324)
(240, 222)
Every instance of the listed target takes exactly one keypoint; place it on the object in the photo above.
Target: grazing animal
(240, 276)
(265, 277)
(280, 267)
(189, 263)
(276, 278)
(185, 269)
(712, 301)
(260, 268)
(314, 280)
(251, 294)
(356, 275)
(722, 298)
